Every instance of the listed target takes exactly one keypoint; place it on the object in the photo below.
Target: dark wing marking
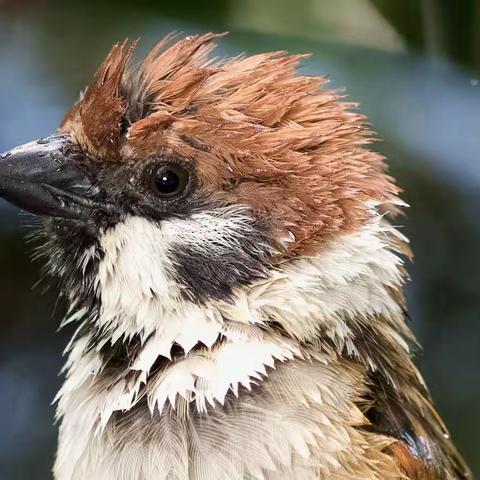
(423, 449)
(400, 405)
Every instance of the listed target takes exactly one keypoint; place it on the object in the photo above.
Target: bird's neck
(160, 351)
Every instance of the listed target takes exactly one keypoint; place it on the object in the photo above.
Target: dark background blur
(413, 65)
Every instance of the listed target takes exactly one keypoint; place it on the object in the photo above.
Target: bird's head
(181, 182)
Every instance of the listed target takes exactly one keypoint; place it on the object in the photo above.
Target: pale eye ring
(169, 180)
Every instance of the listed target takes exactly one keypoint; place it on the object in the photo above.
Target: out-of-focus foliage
(443, 28)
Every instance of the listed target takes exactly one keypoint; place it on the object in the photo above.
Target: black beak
(45, 177)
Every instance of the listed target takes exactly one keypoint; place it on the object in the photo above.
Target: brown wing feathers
(401, 408)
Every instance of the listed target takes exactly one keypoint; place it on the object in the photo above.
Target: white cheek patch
(137, 277)
(139, 295)
(133, 282)
(214, 232)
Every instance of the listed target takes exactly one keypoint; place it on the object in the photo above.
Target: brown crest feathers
(95, 120)
(258, 133)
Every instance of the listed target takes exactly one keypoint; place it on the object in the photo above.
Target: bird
(225, 238)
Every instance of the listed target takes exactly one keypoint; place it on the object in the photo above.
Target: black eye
(169, 180)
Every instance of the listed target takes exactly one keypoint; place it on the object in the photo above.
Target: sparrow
(225, 239)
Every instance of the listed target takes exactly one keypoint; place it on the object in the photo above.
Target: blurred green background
(414, 66)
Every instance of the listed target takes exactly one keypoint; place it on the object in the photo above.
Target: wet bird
(224, 238)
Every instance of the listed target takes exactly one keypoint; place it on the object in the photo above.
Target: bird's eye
(169, 180)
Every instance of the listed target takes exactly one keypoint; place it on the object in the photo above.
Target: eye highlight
(169, 180)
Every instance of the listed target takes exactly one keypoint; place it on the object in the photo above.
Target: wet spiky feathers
(254, 129)
(251, 325)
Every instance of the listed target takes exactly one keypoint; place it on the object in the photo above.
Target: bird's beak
(45, 177)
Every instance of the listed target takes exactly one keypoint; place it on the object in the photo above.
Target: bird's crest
(255, 129)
